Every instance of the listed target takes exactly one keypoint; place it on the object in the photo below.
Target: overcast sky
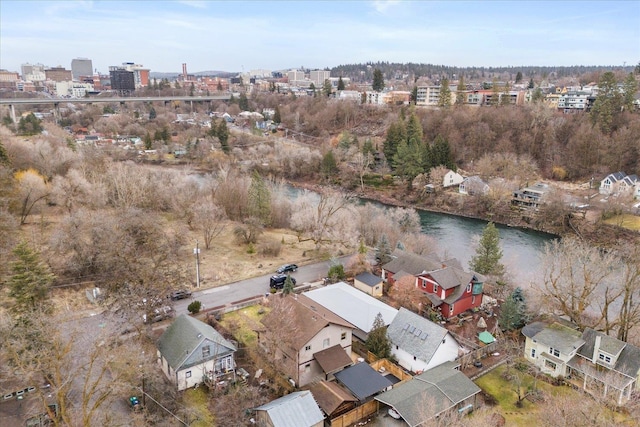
(237, 36)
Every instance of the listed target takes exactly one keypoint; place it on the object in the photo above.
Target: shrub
(270, 248)
(194, 307)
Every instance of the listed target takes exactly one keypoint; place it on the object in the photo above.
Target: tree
(445, 94)
(395, 135)
(192, 89)
(505, 98)
(259, 199)
(531, 84)
(377, 341)
(629, 89)
(414, 94)
(209, 219)
(513, 312)
(243, 102)
(340, 84)
(495, 93)
(30, 125)
(288, 286)
(32, 190)
(488, 254)
(378, 81)
(383, 250)
(152, 113)
(277, 118)
(222, 132)
(326, 88)
(460, 92)
(408, 161)
(518, 77)
(329, 166)
(29, 281)
(441, 153)
(194, 307)
(336, 273)
(629, 311)
(608, 103)
(414, 129)
(362, 162)
(148, 142)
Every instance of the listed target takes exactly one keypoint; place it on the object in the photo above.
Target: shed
(368, 283)
(486, 338)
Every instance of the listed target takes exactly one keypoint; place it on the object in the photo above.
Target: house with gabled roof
(363, 381)
(431, 394)
(307, 341)
(618, 182)
(418, 344)
(333, 399)
(297, 409)
(473, 185)
(354, 306)
(604, 365)
(191, 352)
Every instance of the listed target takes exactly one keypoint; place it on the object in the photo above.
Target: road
(244, 289)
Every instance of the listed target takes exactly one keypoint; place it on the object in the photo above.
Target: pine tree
(531, 84)
(288, 286)
(377, 341)
(395, 134)
(414, 94)
(629, 89)
(408, 161)
(383, 250)
(445, 94)
(259, 200)
(378, 81)
(30, 125)
(441, 153)
(608, 104)
(461, 91)
(340, 84)
(488, 254)
(519, 77)
(148, 143)
(243, 102)
(152, 113)
(328, 166)
(495, 93)
(29, 281)
(513, 312)
(414, 129)
(326, 88)
(222, 132)
(505, 99)
(367, 147)
(277, 118)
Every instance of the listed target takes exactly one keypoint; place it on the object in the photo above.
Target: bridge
(13, 102)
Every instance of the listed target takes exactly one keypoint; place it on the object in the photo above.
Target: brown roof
(412, 263)
(308, 316)
(333, 359)
(330, 395)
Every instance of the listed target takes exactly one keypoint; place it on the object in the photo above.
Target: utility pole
(196, 252)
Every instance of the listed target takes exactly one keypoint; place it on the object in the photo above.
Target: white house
(473, 185)
(190, 351)
(419, 344)
(619, 182)
(451, 178)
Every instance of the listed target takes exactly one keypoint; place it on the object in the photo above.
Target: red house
(449, 288)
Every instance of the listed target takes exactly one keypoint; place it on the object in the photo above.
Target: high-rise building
(319, 76)
(81, 67)
(58, 74)
(33, 72)
(122, 80)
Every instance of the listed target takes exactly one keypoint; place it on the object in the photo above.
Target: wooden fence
(355, 415)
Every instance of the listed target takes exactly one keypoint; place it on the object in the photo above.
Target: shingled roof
(412, 263)
(330, 395)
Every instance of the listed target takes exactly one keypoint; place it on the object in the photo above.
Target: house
(473, 185)
(530, 197)
(620, 183)
(354, 306)
(603, 365)
(432, 393)
(297, 409)
(451, 178)
(419, 344)
(333, 399)
(191, 352)
(363, 381)
(450, 289)
(369, 284)
(297, 331)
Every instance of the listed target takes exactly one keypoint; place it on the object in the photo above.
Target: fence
(355, 415)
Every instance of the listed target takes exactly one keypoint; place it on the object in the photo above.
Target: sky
(239, 36)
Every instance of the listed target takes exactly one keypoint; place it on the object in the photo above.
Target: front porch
(600, 381)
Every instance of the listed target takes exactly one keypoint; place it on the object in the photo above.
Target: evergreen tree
(243, 102)
(395, 134)
(537, 95)
(441, 153)
(176, 85)
(4, 157)
(148, 143)
(192, 89)
(414, 130)
(445, 94)
(222, 132)
(608, 104)
(313, 88)
(513, 313)
(259, 203)
(378, 81)
(30, 125)
(340, 84)
(152, 113)
(629, 89)
(377, 341)
(164, 135)
(531, 84)
(408, 161)
(326, 88)
(488, 254)
(414, 94)
(277, 118)
(367, 147)
(519, 77)
(495, 93)
(461, 91)
(336, 272)
(7, 120)
(383, 250)
(505, 99)
(288, 286)
(29, 281)
(328, 166)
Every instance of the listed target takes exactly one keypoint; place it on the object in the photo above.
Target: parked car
(181, 294)
(287, 268)
(277, 281)
(158, 315)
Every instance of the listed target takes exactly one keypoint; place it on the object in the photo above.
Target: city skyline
(242, 36)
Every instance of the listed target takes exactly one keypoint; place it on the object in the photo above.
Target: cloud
(381, 6)
(198, 4)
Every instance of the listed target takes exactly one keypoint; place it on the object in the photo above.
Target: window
(307, 348)
(206, 351)
(469, 287)
(554, 351)
(549, 364)
(435, 287)
(326, 343)
(343, 336)
(533, 353)
(307, 367)
(451, 308)
(187, 374)
(604, 358)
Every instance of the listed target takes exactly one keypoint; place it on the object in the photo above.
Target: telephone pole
(196, 252)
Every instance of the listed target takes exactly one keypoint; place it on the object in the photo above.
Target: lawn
(631, 222)
(242, 323)
(197, 400)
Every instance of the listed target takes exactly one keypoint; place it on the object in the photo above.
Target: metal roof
(297, 409)
(362, 380)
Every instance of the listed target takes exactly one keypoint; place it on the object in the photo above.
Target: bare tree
(210, 220)
(32, 191)
(629, 312)
(362, 163)
(405, 294)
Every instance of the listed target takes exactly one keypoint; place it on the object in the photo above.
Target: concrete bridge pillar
(12, 108)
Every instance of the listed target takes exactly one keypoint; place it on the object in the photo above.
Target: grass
(198, 401)
(243, 322)
(631, 222)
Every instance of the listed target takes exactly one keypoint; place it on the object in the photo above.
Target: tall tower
(81, 67)
(184, 71)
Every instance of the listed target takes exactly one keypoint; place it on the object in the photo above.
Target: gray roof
(430, 393)
(415, 334)
(297, 409)
(560, 337)
(628, 361)
(368, 279)
(412, 263)
(362, 380)
(353, 305)
(532, 329)
(185, 335)
(451, 277)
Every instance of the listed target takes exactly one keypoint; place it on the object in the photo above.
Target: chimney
(596, 348)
